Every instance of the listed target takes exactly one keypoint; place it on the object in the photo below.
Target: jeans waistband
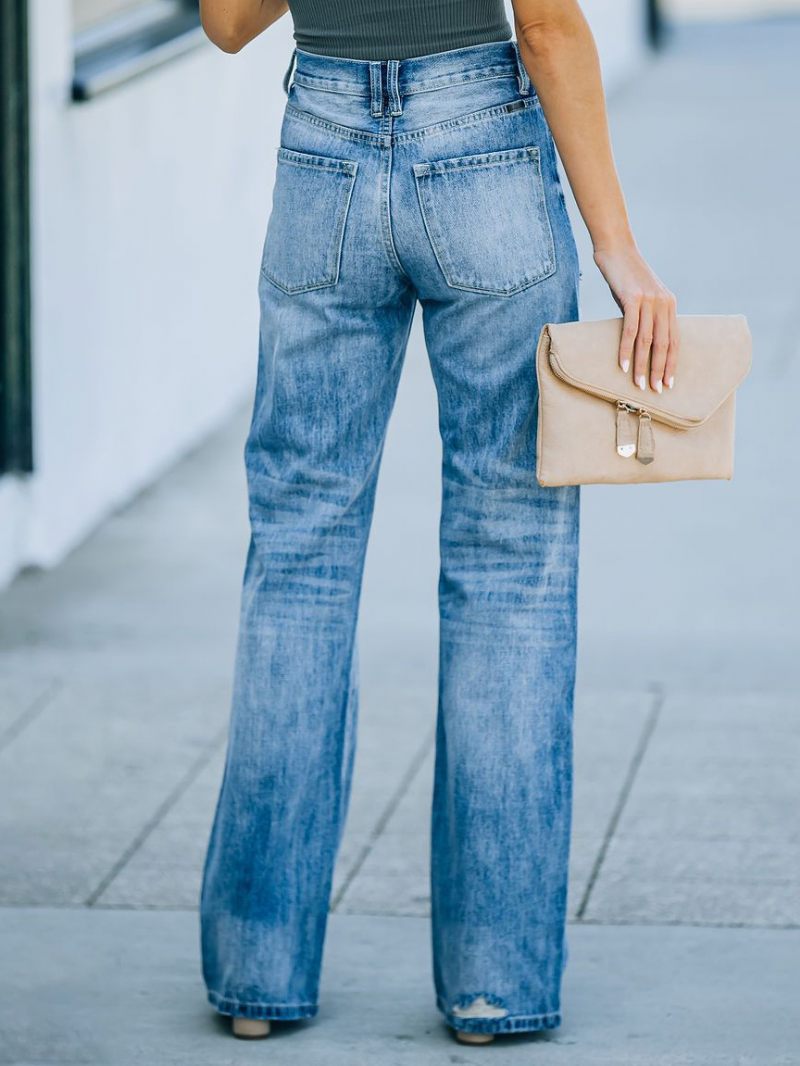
(384, 82)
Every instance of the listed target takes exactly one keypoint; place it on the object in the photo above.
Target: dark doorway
(16, 450)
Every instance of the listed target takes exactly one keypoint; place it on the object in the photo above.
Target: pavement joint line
(394, 801)
(680, 923)
(616, 923)
(657, 698)
(34, 709)
(160, 813)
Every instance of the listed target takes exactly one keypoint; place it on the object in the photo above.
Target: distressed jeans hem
(510, 1024)
(264, 1011)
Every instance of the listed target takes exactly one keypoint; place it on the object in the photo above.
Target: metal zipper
(671, 420)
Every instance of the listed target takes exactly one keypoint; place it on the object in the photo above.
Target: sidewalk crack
(32, 711)
(657, 697)
(394, 802)
(159, 814)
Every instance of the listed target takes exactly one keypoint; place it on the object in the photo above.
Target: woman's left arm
(231, 24)
(559, 52)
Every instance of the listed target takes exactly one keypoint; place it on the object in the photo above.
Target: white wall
(729, 9)
(148, 212)
(619, 29)
(149, 206)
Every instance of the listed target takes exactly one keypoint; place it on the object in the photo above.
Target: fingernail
(641, 381)
(658, 386)
(671, 382)
(626, 364)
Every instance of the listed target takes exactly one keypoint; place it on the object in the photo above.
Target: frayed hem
(512, 1023)
(263, 1011)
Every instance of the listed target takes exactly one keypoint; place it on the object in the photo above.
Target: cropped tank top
(395, 29)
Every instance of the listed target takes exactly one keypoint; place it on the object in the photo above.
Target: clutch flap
(714, 357)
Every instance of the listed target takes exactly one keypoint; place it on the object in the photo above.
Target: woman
(416, 162)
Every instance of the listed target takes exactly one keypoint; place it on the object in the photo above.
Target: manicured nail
(626, 365)
(641, 382)
(671, 382)
(658, 386)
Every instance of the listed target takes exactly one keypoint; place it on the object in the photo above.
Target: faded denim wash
(432, 178)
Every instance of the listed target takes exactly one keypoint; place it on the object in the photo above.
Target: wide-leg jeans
(430, 179)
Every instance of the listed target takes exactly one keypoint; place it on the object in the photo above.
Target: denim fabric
(434, 179)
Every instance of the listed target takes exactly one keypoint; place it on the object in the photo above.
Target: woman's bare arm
(231, 24)
(560, 55)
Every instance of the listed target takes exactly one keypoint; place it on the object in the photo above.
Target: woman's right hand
(650, 325)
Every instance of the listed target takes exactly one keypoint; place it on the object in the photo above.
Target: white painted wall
(729, 9)
(148, 212)
(619, 29)
(149, 206)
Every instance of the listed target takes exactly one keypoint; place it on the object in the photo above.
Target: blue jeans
(432, 178)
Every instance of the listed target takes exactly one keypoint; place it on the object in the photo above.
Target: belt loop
(392, 87)
(523, 78)
(288, 73)
(375, 89)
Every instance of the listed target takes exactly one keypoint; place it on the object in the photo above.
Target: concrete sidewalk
(115, 674)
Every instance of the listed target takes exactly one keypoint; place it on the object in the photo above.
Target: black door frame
(16, 444)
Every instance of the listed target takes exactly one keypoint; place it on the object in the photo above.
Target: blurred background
(137, 163)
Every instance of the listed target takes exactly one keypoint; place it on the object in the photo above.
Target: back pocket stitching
(423, 172)
(322, 164)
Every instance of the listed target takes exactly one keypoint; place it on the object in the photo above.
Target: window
(86, 13)
(116, 40)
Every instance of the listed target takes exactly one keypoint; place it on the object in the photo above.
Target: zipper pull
(645, 442)
(626, 430)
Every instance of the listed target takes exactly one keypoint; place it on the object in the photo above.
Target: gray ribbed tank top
(395, 29)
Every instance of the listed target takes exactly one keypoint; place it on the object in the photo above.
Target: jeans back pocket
(305, 231)
(487, 220)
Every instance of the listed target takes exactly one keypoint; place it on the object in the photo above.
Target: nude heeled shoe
(250, 1028)
(473, 1038)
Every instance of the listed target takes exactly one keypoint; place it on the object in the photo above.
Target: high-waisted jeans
(432, 178)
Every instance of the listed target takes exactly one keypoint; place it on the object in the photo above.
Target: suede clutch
(597, 427)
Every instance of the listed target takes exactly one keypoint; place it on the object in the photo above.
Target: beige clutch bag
(596, 426)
